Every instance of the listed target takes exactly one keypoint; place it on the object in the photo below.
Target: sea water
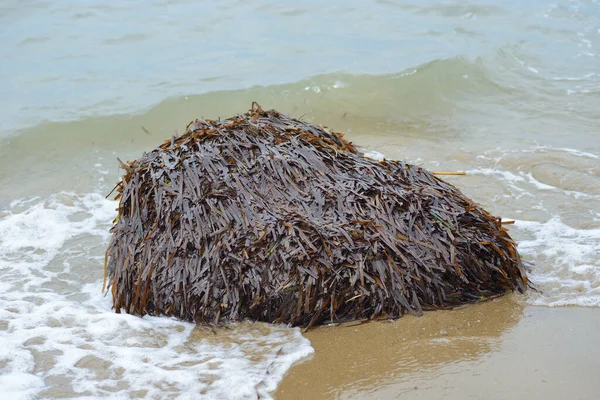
(507, 91)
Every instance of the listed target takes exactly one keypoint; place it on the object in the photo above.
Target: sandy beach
(506, 92)
(494, 350)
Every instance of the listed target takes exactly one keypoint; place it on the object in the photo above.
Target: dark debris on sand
(266, 217)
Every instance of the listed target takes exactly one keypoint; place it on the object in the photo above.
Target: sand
(494, 350)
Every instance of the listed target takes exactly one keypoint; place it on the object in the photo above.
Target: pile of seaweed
(266, 217)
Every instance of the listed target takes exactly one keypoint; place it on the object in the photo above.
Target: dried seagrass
(266, 217)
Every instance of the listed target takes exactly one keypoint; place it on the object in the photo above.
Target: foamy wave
(564, 246)
(59, 336)
(525, 182)
(566, 265)
(578, 153)
(32, 235)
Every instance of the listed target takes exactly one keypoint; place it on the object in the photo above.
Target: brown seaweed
(266, 217)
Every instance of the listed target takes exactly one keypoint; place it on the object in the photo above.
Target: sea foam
(59, 336)
(556, 221)
(566, 262)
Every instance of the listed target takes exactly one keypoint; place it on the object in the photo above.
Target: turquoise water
(71, 60)
(507, 91)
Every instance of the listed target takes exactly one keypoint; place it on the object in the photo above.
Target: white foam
(566, 263)
(33, 233)
(525, 182)
(574, 78)
(313, 88)
(318, 88)
(506, 175)
(538, 184)
(375, 155)
(579, 153)
(59, 336)
(566, 258)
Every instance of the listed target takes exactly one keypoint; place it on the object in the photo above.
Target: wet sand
(495, 350)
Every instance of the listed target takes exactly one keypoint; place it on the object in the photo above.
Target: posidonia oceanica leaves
(266, 217)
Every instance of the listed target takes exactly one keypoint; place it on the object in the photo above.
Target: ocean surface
(507, 91)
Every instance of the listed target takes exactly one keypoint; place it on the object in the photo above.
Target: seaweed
(269, 218)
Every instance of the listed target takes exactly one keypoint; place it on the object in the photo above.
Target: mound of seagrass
(266, 217)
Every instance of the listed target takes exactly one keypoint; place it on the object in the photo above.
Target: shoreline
(499, 349)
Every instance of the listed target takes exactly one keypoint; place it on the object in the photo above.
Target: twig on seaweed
(449, 173)
(105, 271)
(113, 189)
(507, 221)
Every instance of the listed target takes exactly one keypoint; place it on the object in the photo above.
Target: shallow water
(508, 92)
(455, 354)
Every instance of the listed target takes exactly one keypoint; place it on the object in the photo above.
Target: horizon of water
(509, 92)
